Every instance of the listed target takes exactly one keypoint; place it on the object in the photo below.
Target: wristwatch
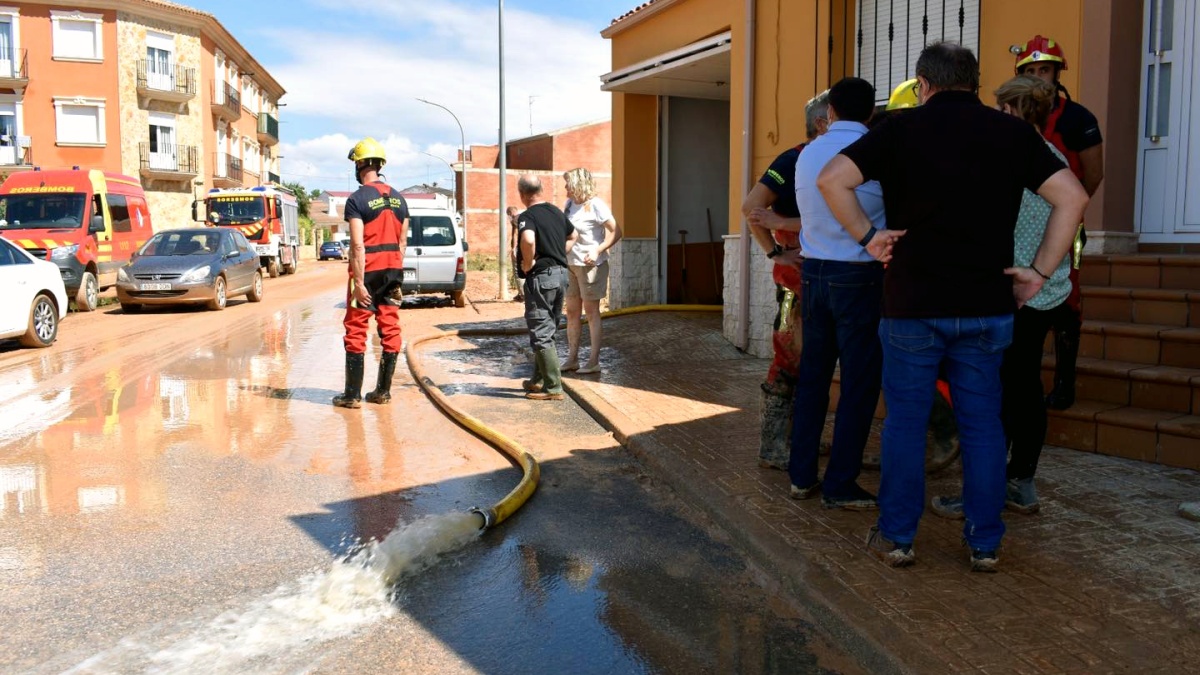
(775, 251)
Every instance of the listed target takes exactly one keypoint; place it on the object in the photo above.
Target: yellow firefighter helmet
(904, 96)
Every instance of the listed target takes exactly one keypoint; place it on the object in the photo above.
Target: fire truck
(268, 215)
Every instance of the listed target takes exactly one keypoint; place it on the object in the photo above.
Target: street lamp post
(449, 166)
(462, 159)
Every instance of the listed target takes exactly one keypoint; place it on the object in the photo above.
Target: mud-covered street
(176, 489)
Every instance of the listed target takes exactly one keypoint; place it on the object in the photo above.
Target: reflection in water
(91, 447)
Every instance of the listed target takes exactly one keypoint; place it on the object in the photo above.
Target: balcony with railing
(226, 102)
(162, 161)
(14, 157)
(14, 68)
(268, 129)
(227, 171)
(165, 81)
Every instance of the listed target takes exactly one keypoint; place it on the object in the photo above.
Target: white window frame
(14, 18)
(99, 103)
(57, 16)
(17, 102)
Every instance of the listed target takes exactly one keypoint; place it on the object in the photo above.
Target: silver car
(199, 265)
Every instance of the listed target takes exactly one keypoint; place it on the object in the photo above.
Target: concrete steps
(1138, 388)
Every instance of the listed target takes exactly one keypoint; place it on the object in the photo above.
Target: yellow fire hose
(501, 510)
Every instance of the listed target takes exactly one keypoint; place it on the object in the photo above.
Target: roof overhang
(699, 70)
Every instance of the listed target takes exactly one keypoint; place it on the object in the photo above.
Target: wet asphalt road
(175, 487)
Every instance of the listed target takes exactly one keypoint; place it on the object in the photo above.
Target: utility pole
(462, 160)
(502, 253)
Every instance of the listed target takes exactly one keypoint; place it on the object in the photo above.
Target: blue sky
(355, 67)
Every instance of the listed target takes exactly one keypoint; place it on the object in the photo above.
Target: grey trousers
(544, 294)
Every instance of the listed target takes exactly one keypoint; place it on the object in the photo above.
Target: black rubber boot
(352, 397)
(383, 385)
(1066, 351)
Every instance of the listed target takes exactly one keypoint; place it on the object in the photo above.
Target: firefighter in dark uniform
(1072, 129)
(378, 231)
(770, 210)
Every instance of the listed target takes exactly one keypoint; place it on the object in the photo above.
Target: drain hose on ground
(501, 510)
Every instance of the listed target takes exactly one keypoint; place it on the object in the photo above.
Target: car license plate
(410, 275)
(156, 287)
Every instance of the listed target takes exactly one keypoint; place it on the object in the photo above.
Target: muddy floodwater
(178, 496)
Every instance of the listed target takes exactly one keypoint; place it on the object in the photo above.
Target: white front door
(163, 151)
(1168, 209)
(158, 69)
(8, 134)
(219, 169)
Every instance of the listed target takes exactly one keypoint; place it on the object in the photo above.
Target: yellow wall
(1004, 23)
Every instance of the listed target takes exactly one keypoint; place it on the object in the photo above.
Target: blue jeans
(973, 349)
(841, 318)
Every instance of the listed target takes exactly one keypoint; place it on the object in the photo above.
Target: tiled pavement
(1105, 579)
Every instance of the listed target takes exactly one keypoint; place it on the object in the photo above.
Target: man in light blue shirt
(843, 286)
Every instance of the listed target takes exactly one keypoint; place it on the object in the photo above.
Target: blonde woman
(598, 232)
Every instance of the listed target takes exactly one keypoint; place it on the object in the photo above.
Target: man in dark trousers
(953, 173)
(770, 210)
(545, 238)
(378, 232)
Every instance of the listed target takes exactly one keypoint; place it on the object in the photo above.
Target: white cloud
(362, 83)
(322, 162)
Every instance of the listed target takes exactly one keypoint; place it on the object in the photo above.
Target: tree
(302, 197)
(314, 193)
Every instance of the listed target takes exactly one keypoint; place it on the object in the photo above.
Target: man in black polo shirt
(953, 172)
(546, 236)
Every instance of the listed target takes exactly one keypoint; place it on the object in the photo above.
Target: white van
(435, 261)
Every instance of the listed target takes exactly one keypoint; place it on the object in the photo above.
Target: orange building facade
(151, 89)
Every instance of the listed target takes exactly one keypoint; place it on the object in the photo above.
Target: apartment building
(148, 88)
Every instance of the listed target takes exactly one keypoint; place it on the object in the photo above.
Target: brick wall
(535, 154)
(483, 192)
(589, 147)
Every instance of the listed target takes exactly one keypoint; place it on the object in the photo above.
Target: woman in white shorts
(588, 263)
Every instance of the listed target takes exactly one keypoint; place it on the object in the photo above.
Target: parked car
(332, 250)
(34, 298)
(203, 265)
(435, 261)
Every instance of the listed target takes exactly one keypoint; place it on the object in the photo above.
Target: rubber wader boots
(551, 377)
(537, 382)
(352, 397)
(383, 385)
(1066, 349)
(775, 446)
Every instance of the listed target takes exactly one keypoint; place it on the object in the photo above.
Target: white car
(34, 298)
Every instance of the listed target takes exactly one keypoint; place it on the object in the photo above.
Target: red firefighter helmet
(1038, 50)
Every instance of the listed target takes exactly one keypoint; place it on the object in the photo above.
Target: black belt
(383, 248)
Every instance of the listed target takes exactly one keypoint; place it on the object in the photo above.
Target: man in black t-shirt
(545, 238)
(953, 173)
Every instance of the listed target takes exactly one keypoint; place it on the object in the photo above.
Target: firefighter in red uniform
(378, 231)
(1076, 133)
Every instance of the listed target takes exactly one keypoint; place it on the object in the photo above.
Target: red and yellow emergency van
(89, 222)
(269, 216)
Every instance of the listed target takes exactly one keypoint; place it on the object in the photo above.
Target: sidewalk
(1105, 579)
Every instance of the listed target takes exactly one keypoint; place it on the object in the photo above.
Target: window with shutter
(77, 35)
(892, 33)
(79, 121)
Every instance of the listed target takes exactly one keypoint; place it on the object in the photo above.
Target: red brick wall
(589, 147)
(485, 156)
(533, 155)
